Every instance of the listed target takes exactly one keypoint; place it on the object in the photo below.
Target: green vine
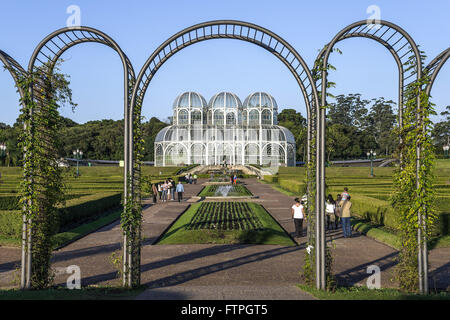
(131, 217)
(309, 267)
(413, 196)
(42, 188)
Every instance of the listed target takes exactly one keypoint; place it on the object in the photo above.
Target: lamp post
(78, 154)
(371, 155)
(2, 150)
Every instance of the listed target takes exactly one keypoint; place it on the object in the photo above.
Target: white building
(225, 130)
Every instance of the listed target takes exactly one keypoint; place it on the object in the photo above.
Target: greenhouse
(225, 131)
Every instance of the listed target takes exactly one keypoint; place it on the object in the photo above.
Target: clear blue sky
(218, 65)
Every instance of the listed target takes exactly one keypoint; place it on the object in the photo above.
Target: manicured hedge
(80, 209)
(10, 223)
(12, 202)
(291, 185)
(75, 211)
(271, 179)
(381, 212)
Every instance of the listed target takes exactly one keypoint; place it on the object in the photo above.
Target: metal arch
(231, 29)
(400, 38)
(52, 47)
(14, 68)
(433, 68)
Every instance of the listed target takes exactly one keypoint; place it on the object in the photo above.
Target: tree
(349, 110)
(441, 131)
(296, 123)
(380, 123)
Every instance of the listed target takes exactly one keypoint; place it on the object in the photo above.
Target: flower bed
(225, 216)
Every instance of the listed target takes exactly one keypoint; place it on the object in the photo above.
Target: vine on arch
(42, 188)
(131, 217)
(414, 193)
(309, 268)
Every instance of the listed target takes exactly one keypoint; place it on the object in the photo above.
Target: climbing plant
(309, 268)
(42, 189)
(131, 217)
(413, 195)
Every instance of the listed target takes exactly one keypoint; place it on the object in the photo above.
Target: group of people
(233, 179)
(166, 190)
(337, 211)
(191, 179)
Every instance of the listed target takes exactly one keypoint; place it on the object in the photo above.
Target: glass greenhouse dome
(225, 132)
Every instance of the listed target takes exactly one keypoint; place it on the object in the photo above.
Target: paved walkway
(221, 271)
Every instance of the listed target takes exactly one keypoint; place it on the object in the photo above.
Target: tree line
(354, 126)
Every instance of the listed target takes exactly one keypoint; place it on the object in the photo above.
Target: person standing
(195, 178)
(298, 212)
(160, 190)
(338, 210)
(235, 179)
(155, 192)
(169, 185)
(330, 208)
(173, 187)
(164, 187)
(345, 194)
(180, 190)
(346, 214)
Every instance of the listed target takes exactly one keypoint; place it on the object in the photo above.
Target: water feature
(222, 191)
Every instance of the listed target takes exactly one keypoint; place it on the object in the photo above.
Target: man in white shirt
(298, 213)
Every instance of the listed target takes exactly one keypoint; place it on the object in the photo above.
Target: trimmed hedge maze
(225, 216)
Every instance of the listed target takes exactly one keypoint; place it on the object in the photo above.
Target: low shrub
(291, 185)
(271, 179)
(76, 211)
(10, 223)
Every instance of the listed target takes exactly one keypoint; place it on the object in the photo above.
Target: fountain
(222, 191)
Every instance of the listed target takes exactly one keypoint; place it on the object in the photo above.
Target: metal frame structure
(49, 50)
(402, 46)
(239, 30)
(433, 68)
(14, 68)
(204, 141)
(391, 36)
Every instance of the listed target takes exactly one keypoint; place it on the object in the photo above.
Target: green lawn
(370, 196)
(87, 293)
(363, 293)
(271, 232)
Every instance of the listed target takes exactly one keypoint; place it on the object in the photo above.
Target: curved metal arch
(231, 29)
(14, 68)
(400, 44)
(49, 50)
(55, 44)
(433, 68)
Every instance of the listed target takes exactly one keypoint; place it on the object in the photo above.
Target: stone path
(221, 271)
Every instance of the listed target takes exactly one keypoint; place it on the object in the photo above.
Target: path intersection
(231, 272)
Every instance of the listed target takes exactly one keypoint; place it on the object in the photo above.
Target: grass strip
(364, 293)
(270, 233)
(376, 233)
(87, 293)
(64, 238)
